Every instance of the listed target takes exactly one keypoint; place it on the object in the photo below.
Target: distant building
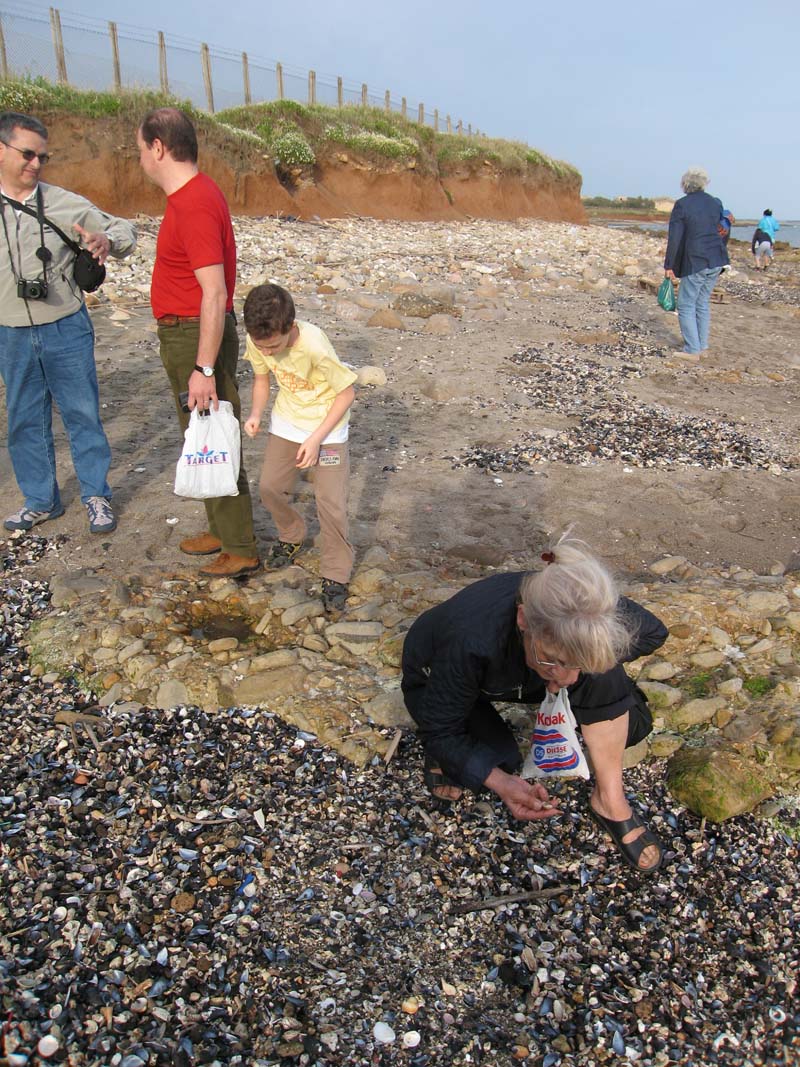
(663, 203)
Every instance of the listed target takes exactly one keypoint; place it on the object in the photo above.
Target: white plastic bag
(555, 749)
(209, 463)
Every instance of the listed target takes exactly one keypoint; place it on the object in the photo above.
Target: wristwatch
(208, 371)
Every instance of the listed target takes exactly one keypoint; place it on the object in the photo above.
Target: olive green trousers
(230, 518)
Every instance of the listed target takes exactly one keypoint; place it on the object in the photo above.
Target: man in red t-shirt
(192, 299)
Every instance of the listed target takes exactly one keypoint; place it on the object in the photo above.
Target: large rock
(389, 709)
(660, 695)
(717, 782)
(421, 307)
(370, 375)
(440, 326)
(694, 712)
(264, 686)
(387, 319)
(171, 694)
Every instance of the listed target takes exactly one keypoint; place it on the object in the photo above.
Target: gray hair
(15, 120)
(694, 180)
(573, 606)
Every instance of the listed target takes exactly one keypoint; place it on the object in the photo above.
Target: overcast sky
(630, 93)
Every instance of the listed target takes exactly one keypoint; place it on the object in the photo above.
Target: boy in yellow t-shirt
(308, 431)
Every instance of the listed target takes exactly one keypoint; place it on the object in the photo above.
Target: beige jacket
(20, 238)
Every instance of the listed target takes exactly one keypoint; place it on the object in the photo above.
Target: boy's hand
(307, 453)
(252, 425)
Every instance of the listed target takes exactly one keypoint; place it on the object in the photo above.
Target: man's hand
(252, 425)
(670, 274)
(307, 453)
(202, 392)
(525, 800)
(97, 243)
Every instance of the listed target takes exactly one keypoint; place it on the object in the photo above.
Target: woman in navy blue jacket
(510, 638)
(696, 254)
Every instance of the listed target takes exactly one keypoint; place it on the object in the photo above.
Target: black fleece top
(469, 649)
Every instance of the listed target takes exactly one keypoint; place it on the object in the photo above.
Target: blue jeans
(694, 311)
(40, 364)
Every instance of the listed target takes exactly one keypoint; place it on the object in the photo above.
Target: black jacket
(469, 649)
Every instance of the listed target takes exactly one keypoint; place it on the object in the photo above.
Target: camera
(35, 289)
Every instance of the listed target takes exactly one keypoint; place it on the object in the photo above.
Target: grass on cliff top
(299, 135)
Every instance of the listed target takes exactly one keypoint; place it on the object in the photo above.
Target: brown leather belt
(176, 320)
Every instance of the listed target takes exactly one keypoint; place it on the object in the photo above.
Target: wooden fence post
(3, 58)
(58, 45)
(339, 93)
(162, 63)
(205, 60)
(279, 77)
(460, 128)
(436, 119)
(112, 32)
(449, 125)
(421, 114)
(312, 87)
(246, 78)
(404, 108)
(364, 95)
(387, 101)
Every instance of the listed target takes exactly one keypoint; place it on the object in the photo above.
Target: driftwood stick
(69, 718)
(511, 898)
(390, 751)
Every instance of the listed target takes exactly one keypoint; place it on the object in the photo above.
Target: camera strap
(42, 253)
(40, 215)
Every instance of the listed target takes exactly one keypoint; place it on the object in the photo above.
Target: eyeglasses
(28, 154)
(548, 663)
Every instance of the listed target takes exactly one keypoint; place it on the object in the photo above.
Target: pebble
(189, 807)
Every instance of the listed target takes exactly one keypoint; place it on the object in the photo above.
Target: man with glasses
(510, 638)
(46, 336)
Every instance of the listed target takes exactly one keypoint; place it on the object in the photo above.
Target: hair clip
(549, 557)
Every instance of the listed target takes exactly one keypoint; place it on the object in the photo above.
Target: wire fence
(88, 53)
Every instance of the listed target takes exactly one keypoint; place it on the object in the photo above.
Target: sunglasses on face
(29, 155)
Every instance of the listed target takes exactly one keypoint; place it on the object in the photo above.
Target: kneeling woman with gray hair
(511, 638)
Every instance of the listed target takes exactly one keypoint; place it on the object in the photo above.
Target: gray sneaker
(101, 516)
(26, 518)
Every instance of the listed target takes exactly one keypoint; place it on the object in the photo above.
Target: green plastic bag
(666, 295)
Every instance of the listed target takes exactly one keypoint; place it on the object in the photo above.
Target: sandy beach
(568, 299)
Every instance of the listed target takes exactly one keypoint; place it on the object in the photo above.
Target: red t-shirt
(196, 232)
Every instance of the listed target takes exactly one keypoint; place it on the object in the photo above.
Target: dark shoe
(228, 566)
(101, 515)
(204, 544)
(631, 850)
(281, 554)
(435, 778)
(26, 519)
(334, 595)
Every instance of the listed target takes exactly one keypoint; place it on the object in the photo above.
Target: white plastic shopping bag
(555, 748)
(209, 463)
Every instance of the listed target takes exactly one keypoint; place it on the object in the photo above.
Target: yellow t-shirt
(309, 376)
